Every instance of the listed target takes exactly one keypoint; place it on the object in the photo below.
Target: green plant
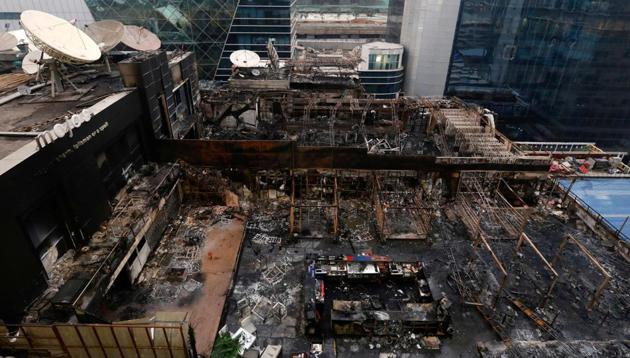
(226, 347)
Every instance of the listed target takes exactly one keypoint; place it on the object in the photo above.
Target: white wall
(428, 31)
(66, 9)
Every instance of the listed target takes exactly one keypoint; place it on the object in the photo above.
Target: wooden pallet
(11, 81)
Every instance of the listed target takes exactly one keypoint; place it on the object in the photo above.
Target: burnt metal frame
(524, 238)
(299, 205)
(605, 281)
(381, 201)
(502, 212)
(498, 264)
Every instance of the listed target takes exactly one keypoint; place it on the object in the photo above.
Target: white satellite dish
(59, 38)
(245, 58)
(107, 34)
(21, 37)
(141, 39)
(31, 62)
(7, 41)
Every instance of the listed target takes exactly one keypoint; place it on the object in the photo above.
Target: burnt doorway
(48, 232)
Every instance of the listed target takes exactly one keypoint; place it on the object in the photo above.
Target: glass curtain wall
(567, 61)
(255, 22)
(395, 14)
(200, 26)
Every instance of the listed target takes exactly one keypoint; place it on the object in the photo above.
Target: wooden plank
(85, 347)
(98, 339)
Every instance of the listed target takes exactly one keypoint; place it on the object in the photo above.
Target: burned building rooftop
(298, 219)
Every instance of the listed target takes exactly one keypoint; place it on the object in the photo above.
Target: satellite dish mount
(57, 78)
(61, 41)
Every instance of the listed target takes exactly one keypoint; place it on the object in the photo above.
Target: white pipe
(17, 94)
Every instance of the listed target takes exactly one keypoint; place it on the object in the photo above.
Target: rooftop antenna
(7, 41)
(107, 34)
(140, 39)
(60, 40)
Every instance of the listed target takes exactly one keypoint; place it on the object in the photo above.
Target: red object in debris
(583, 169)
(209, 255)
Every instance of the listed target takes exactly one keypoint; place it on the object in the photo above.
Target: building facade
(395, 13)
(200, 26)
(212, 29)
(343, 6)
(381, 71)
(256, 22)
(58, 189)
(566, 62)
(560, 65)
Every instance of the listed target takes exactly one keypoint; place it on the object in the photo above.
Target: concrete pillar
(428, 31)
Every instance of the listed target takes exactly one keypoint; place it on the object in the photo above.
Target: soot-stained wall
(71, 175)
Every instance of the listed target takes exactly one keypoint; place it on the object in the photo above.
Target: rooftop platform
(608, 197)
(32, 110)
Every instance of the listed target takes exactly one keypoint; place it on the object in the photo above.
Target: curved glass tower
(381, 71)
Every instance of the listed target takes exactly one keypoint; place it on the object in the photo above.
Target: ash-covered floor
(202, 267)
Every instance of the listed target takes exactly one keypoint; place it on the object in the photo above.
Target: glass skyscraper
(566, 63)
(200, 26)
(255, 22)
(212, 29)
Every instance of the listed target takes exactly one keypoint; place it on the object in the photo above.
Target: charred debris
(313, 220)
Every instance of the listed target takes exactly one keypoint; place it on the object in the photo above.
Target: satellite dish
(107, 33)
(30, 63)
(59, 38)
(245, 58)
(141, 39)
(7, 41)
(21, 37)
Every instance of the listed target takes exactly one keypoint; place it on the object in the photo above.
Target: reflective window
(564, 61)
(256, 22)
(383, 62)
(9, 15)
(200, 26)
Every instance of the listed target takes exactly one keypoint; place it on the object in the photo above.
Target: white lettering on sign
(71, 149)
(60, 130)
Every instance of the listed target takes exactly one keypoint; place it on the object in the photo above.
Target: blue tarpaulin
(609, 197)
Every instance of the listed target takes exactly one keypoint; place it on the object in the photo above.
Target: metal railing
(599, 218)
